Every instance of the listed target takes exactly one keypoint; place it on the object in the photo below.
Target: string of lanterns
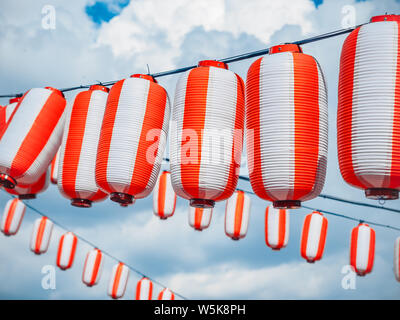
(112, 142)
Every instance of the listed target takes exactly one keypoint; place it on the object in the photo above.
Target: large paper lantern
(287, 126)
(144, 289)
(164, 197)
(206, 144)
(66, 250)
(200, 218)
(362, 249)
(166, 294)
(237, 215)
(313, 236)
(41, 234)
(7, 112)
(30, 191)
(368, 122)
(32, 137)
(276, 227)
(12, 216)
(54, 168)
(93, 267)
(133, 138)
(396, 259)
(78, 151)
(118, 281)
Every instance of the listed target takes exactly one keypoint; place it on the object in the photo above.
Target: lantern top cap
(144, 76)
(317, 212)
(286, 47)
(56, 91)
(213, 63)
(16, 99)
(385, 17)
(99, 87)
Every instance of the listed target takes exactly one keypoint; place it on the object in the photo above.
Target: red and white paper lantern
(133, 138)
(66, 250)
(200, 218)
(41, 234)
(32, 137)
(287, 126)
(362, 249)
(313, 236)
(12, 216)
(6, 112)
(164, 197)
(276, 227)
(118, 281)
(237, 215)
(166, 294)
(369, 108)
(206, 144)
(396, 259)
(93, 267)
(144, 289)
(27, 192)
(78, 151)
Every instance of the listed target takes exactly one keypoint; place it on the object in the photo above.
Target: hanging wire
(326, 196)
(235, 58)
(94, 246)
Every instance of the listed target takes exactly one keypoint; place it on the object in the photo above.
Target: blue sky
(110, 40)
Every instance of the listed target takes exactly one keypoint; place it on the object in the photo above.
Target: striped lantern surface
(66, 250)
(237, 215)
(132, 138)
(287, 126)
(276, 227)
(31, 137)
(93, 267)
(362, 249)
(368, 122)
(27, 192)
(166, 294)
(118, 281)
(78, 151)
(41, 234)
(164, 197)
(12, 216)
(206, 142)
(313, 236)
(200, 218)
(396, 259)
(6, 112)
(54, 167)
(144, 289)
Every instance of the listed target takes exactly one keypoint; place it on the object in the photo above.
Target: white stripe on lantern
(396, 259)
(372, 129)
(274, 227)
(168, 194)
(205, 217)
(93, 267)
(40, 241)
(12, 216)
(166, 294)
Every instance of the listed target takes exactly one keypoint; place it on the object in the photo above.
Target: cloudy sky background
(109, 40)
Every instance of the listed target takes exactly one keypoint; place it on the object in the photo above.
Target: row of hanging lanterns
(113, 141)
(40, 239)
(312, 243)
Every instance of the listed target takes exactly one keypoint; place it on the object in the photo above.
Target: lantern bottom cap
(276, 249)
(81, 203)
(311, 261)
(202, 203)
(28, 196)
(235, 238)
(7, 181)
(287, 204)
(382, 194)
(122, 198)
